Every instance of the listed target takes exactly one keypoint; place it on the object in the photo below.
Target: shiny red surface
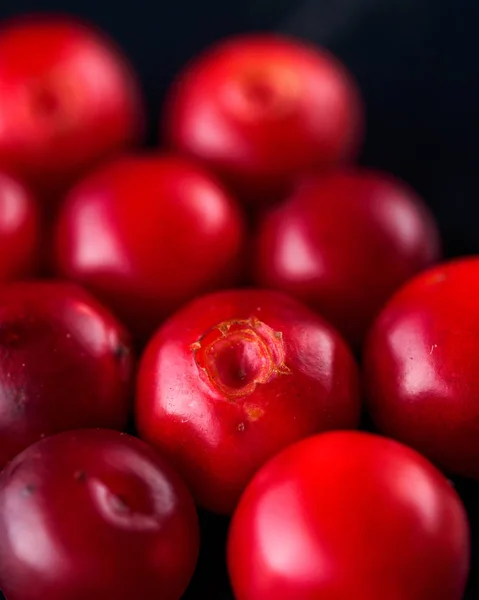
(262, 109)
(65, 363)
(146, 233)
(343, 243)
(68, 99)
(348, 515)
(233, 378)
(422, 366)
(97, 515)
(19, 230)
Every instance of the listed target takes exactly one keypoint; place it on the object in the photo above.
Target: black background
(417, 64)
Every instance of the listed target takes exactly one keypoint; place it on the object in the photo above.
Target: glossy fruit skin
(146, 233)
(262, 109)
(347, 515)
(19, 230)
(421, 366)
(95, 514)
(65, 363)
(344, 242)
(68, 100)
(233, 378)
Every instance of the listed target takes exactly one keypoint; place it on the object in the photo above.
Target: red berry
(97, 515)
(344, 243)
(65, 363)
(19, 230)
(147, 233)
(68, 100)
(233, 378)
(422, 366)
(261, 109)
(348, 515)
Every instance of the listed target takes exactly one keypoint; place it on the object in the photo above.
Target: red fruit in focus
(344, 243)
(95, 514)
(67, 100)
(422, 366)
(19, 230)
(147, 233)
(65, 363)
(262, 109)
(233, 378)
(349, 515)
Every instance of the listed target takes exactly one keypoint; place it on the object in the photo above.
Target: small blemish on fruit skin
(254, 412)
(80, 476)
(118, 504)
(120, 352)
(29, 490)
(241, 427)
(19, 399)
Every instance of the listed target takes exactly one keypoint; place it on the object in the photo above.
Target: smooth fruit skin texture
(349, 515)
(344, 242)
(421, 366)
(65, 363)
(261, 110)
(95, 514)
(233, 378)
(146, 233)
(68, 99)
(19, 230)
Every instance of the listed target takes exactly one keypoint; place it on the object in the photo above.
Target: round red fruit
(147, 233)
(233, 378)
(19, 230)
(68, 99)
(65, 363)
(95, 514)
(422, 366)
(347, 515)
(344, 242)
(262, 109)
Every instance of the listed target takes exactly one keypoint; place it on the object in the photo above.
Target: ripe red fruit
(65, 363)
(422, 366)
(19, 230)
(147, 233)
(95, 514)
(349, 515)
(233, 378)
(68, 100)
(343, 243)
(262, 109)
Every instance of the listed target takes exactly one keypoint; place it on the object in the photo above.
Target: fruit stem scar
(239, 354)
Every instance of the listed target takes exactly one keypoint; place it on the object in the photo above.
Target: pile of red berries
(213, 296)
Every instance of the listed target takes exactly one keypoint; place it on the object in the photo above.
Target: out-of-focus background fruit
(414, 60)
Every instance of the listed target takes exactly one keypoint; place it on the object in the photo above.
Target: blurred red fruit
(422, 366)
(65, 363)
(97, 515)
(19, 230)
(67, 100)
(262, 109)
(343, 243)
(147, 233)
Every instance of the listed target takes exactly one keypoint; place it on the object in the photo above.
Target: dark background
(416, 62)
